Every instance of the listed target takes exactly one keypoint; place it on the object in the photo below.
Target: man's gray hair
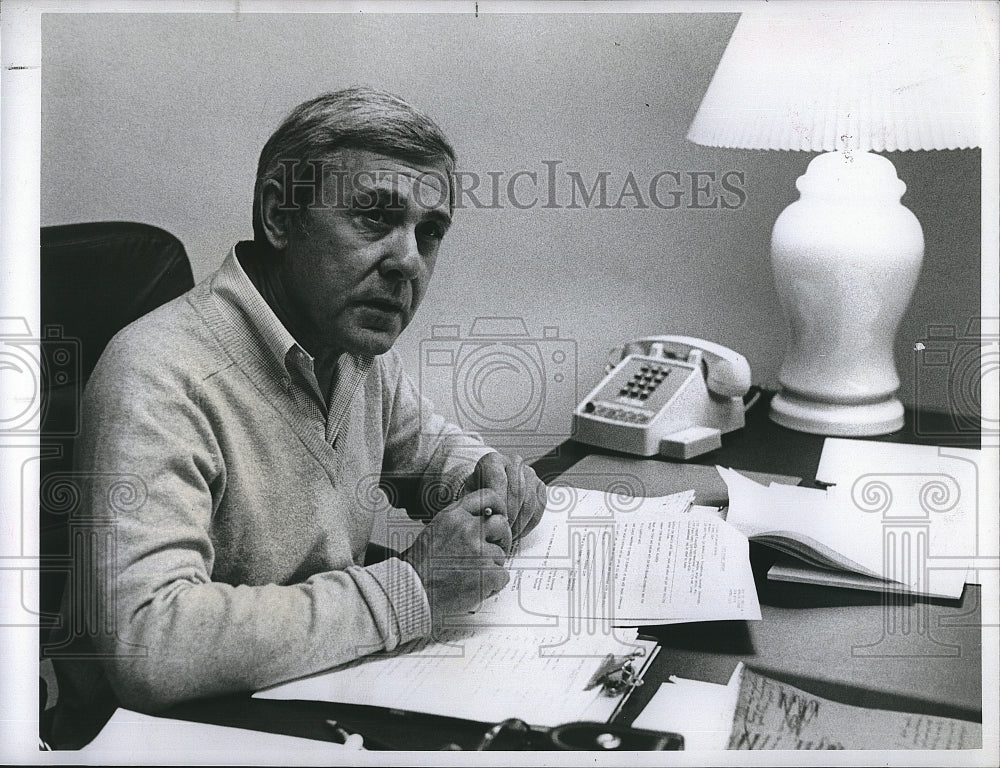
(361, 118)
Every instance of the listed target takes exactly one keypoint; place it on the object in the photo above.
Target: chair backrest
(96, 278)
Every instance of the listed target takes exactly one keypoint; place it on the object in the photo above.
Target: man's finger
(495, 553)
(515, 489)
(490, 472)
(496, 530)
(528, 507)
(484, 502)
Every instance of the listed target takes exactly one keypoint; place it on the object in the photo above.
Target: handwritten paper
(773, 715)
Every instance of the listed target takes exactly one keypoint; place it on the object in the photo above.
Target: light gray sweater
(238, 510)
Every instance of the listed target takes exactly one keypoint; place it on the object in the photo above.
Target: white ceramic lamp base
(846, 257)
(834, 419)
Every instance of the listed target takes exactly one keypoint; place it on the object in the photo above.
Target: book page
(947, 495)
(627, 561)
(774, 715)
(829, 530)
(790, 570)
(807, 514)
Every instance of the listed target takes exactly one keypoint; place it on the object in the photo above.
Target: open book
(594, 562)
(834, 541)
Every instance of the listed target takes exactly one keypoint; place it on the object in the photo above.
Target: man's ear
(275, 214)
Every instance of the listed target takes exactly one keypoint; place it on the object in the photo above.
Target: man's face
(355, 270)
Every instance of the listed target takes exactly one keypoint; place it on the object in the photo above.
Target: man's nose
(403, 259)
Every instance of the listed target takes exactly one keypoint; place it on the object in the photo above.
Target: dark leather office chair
(96, 278)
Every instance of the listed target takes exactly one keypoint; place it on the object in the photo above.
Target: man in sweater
(234, 438)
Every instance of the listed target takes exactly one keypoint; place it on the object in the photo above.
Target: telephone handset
(668, 395)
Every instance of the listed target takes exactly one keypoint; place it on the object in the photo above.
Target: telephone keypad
(644, 382)
(639, 392)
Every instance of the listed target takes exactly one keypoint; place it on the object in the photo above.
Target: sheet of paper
(701, 712)
(628, 561)
(836, 527)
(845, 460)
(948, 492)
(773, 715)
(134, 738)
(485, 674)
(594, 561)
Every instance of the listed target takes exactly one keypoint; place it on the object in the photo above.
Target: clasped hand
(460, 554)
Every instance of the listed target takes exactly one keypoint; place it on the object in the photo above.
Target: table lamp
(848, 80)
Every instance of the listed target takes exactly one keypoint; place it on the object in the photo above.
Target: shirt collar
(249, 313)
(254, 319)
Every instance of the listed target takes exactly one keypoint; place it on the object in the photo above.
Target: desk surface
(764, 446)
(920, 656)
(847, 645)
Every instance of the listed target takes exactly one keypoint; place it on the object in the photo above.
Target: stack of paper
(485, 674)
(629, 561)
(700, 712)
(595, 563)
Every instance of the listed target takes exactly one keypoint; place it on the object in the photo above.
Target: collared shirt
(239, 555)
(254, 319)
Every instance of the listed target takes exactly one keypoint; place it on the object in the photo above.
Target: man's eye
(373, 215)
(431, 230)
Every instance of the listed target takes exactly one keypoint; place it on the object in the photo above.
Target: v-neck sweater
(238, 516)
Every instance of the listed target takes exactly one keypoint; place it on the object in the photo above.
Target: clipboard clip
(616, 674)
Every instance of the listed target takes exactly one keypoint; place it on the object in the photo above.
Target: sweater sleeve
(152, 476)
(420, 442)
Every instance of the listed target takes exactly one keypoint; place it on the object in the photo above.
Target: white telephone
(668, 395)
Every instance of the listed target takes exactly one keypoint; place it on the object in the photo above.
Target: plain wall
(160, 118)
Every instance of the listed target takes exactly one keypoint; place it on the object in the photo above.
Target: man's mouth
(386, 305)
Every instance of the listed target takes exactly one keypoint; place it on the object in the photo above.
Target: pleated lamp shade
(824, 78)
